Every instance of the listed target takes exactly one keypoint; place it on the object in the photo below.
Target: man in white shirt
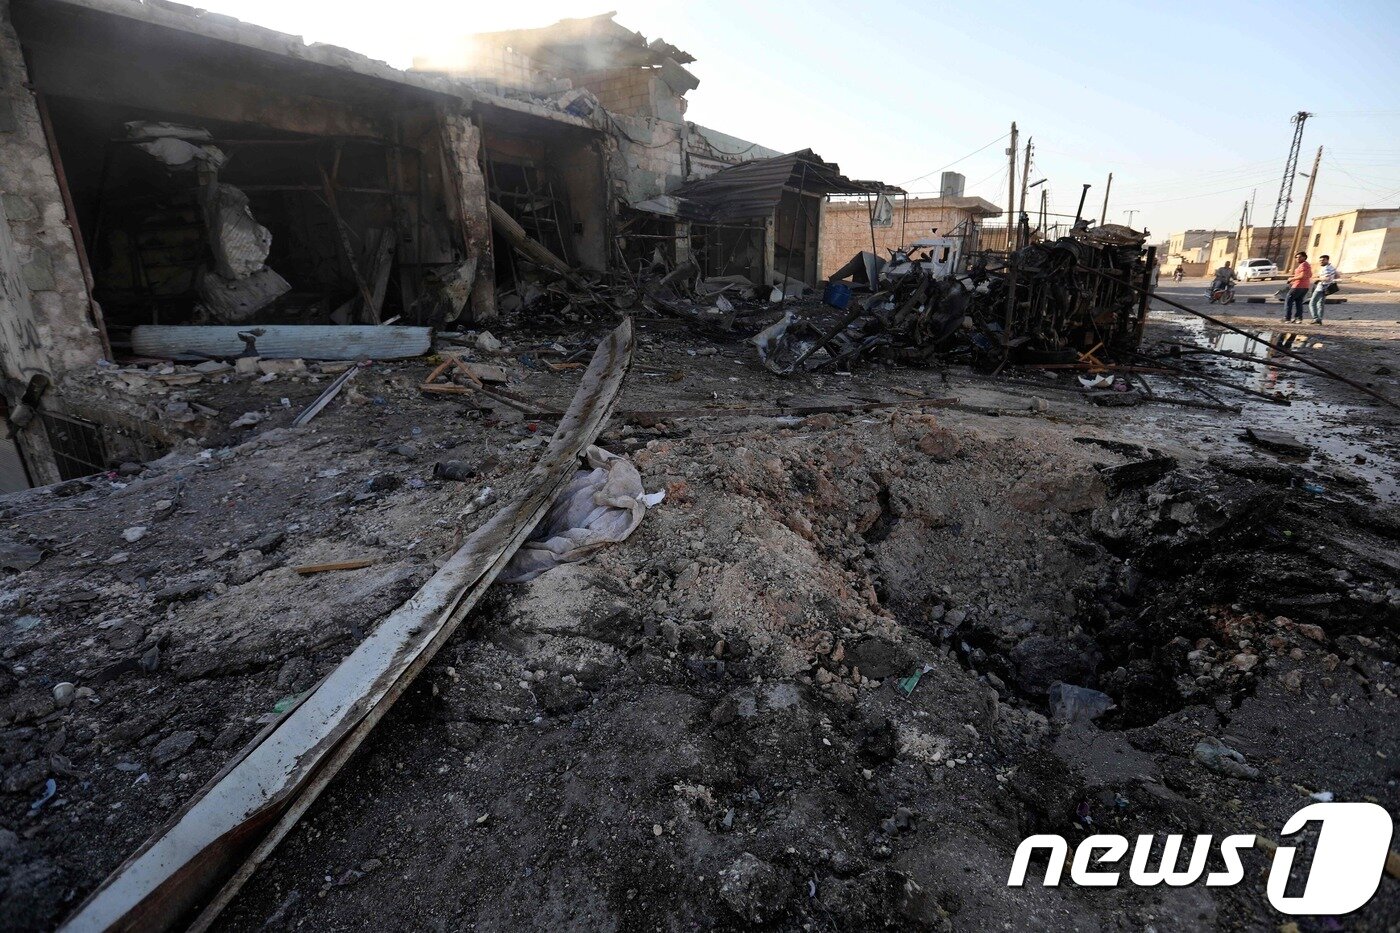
(1326, 276)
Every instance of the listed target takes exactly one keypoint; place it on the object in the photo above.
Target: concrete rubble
(858, 578)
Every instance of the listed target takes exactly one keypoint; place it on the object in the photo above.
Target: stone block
(18, 208)
(37, 273)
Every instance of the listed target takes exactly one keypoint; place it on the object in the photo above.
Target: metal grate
(77, 446)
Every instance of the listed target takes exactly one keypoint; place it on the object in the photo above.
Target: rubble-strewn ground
(700, 728)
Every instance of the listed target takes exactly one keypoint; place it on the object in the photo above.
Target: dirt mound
(702, 727)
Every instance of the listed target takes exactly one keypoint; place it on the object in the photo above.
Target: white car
(1257, 270)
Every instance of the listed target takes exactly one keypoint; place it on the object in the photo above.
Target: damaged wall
(707, 151)
(846, 226)
(44, 311)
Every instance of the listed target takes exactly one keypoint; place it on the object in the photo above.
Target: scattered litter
(50, 789)
(602, 505)
(906, 685)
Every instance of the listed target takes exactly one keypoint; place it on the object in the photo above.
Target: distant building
(1189, 247)
(1222, 250)
(1361, 240)
(1256, 243)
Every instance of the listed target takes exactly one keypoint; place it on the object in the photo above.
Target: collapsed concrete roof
(588, 43)
(218, 27)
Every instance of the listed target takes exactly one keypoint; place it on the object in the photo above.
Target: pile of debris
(1044, 303)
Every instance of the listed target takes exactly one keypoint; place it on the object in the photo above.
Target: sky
(1187, 104)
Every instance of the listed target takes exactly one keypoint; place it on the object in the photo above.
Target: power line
(955, 161)
(1208, 194)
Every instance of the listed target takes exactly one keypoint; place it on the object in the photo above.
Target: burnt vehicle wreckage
(1047, 303)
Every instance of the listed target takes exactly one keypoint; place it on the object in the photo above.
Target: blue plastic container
(837, 294)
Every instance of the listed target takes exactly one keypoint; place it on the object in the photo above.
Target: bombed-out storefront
(548, 173)
(762, 219)
(182, 191)
(169, 167)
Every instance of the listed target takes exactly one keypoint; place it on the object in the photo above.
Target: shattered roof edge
(658, 46)
(223, 28)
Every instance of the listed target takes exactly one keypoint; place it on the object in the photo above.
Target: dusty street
(701, 727)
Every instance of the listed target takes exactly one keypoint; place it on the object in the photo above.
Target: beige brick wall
(846, 229)
(620, 90)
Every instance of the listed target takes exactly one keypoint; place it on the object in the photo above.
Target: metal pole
(1244, 333)
(1079, 213)
(1011, 191)
(1103, 215)
(1307, 201)
(801, 206)
(1025, 179)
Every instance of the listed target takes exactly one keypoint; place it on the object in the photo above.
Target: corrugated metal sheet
(283, 341)
(752, 189)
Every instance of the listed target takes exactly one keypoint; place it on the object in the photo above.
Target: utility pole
(1025, 179)
(1307, 202)
(1044, 233)
(1130, 214)
(1103, 214)
(1273, 248)
(1011, 192)
(1239, 237)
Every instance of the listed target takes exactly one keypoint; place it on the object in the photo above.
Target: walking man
(1326, 278)
(1298, 284)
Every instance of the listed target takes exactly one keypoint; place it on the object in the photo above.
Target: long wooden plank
(202, 856)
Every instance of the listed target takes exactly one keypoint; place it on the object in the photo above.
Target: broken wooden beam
(355, 564)
(194, 865)
(531, 247)
(326, 397)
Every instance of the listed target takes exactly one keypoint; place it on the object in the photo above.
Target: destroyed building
(213, 172)
(707, 592)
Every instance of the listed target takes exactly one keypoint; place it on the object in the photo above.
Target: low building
(1189, 247)
(847, 226)
(1254, 244)
(1361, 240)
(1222, 250)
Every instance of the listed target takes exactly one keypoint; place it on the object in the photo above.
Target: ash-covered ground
(702, 727)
